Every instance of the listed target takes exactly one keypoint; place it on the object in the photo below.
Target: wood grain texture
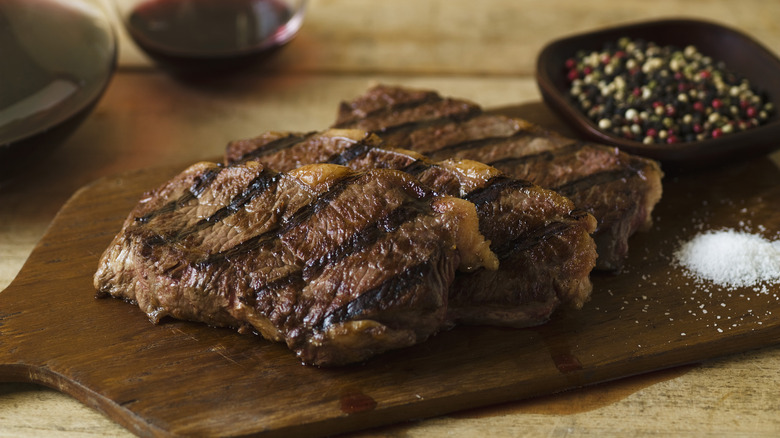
(182, 378)
(147, 119)
(739, 387)
(466, 38)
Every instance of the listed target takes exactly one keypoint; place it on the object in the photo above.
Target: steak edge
(289, 256)
(619, 189)
(544, 246)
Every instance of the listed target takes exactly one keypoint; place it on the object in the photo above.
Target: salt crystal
(731, 258)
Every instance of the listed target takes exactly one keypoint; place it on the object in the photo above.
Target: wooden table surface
(484, 51)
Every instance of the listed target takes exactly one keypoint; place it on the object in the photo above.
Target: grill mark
(542, 156)
(416, 167)
(201, 184)
(388, 291)
(254, 242)
(323, 200)
(361, 148)
(273, 287)
(274, 146)
(197, 188)
(261, 183)
(530, 239)
(479, 142)
(368, 235)
(390, 223)
(414, 125)
(491, 191)
(296, 219)
(594, 179)
(265, 180)
(388, 109)
(356, 150)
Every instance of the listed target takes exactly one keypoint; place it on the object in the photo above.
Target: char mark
(389, 291)
(355, 151)
(368, 235)
(264, 181)
(479, 143)
(538, 157)
(273, 147)
(417, 167)
(383, 111)
(254, 242)
(197, 188)
(323, 200)
(595, 179)
(296, 219)
(414, 125)
(493, 189)
(269, 291)
(529, 239)
(259, 185)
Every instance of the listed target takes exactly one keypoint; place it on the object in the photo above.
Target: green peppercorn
(634, 88)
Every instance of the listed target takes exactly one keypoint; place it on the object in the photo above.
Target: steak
(338, 264)
(619, 189)
(543, 244)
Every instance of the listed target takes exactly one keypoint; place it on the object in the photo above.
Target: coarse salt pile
(731, 258)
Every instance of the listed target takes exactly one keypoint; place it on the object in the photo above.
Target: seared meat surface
(338, 264)
(423, 212)
(619, 189)
(543, 244)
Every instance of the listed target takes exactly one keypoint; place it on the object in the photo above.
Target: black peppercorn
(662, 94)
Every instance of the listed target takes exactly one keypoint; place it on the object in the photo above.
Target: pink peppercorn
(695, 106)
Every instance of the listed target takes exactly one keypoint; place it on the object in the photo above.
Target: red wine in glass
(206, 35)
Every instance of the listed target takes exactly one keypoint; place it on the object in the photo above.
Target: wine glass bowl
(58, 58)
(197, 36)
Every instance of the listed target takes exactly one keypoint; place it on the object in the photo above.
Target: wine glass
(58, 57)
(196, 36)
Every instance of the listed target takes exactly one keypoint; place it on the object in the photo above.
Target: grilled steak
(338, 264)
(619, 189)
(544, 247)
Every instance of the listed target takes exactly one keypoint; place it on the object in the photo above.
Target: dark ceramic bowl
(740, 53)
(58, 58)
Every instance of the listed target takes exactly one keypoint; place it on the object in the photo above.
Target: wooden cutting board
(182, 378)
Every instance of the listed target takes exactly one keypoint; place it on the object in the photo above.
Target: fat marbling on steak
(338, 264)
(619, 189)
(543, 243)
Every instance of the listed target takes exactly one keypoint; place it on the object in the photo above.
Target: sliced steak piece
(385, 106)
(338, 264)
(619, 189)
(545, 250)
